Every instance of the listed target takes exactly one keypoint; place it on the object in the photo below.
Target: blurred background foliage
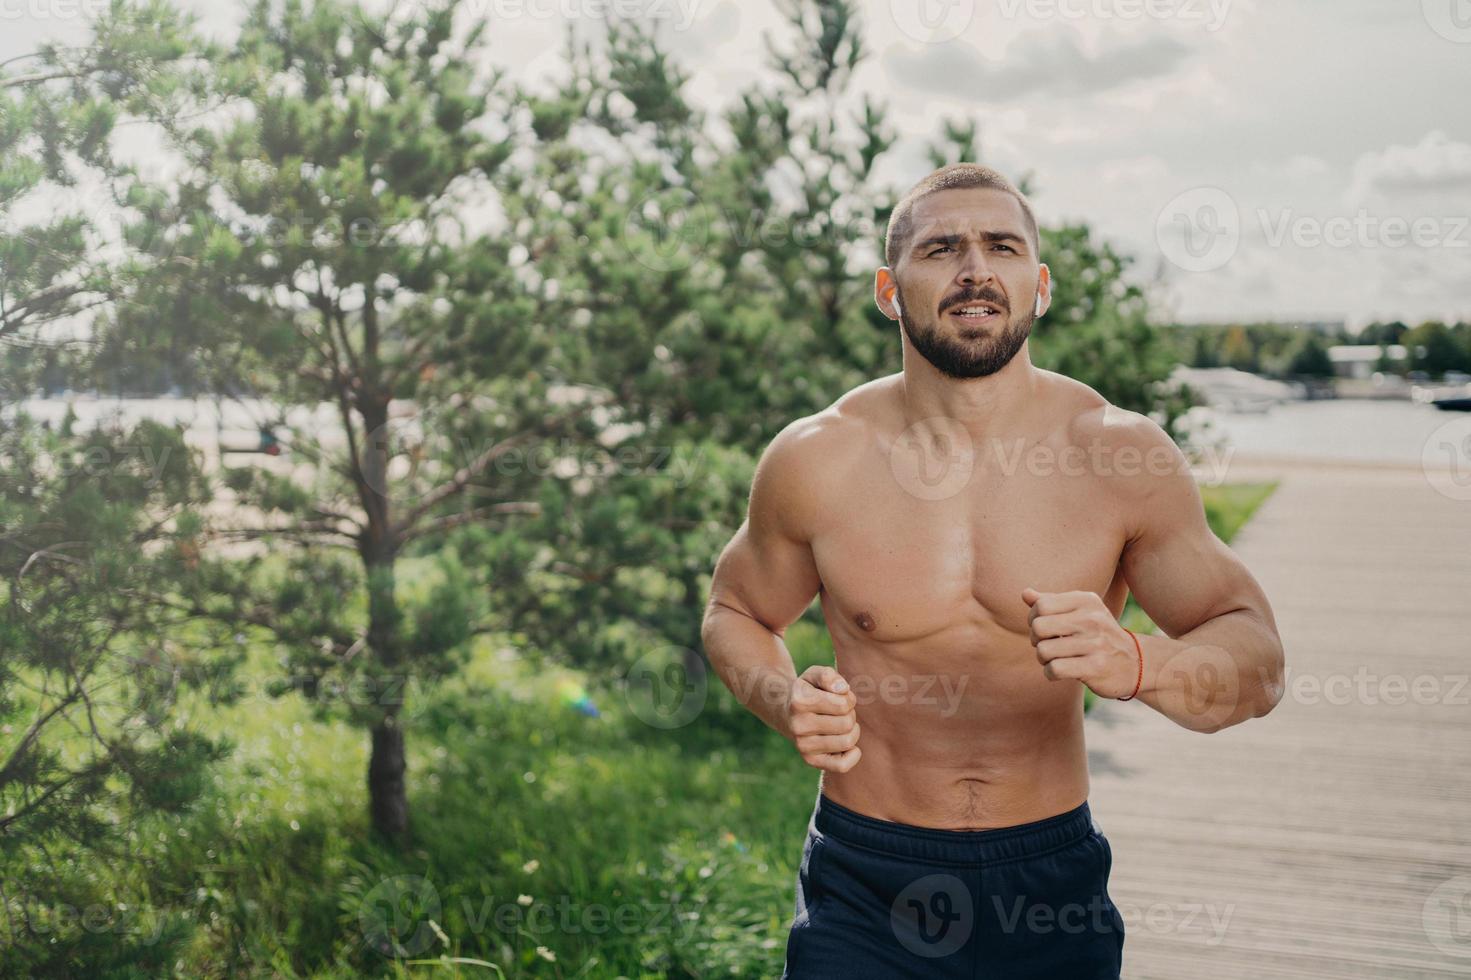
(542, 429)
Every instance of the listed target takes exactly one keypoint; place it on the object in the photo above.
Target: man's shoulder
(841, 427)
(813, 450)
(1126, 443)
(808, 458)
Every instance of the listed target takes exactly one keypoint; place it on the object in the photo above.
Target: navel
(865, 622)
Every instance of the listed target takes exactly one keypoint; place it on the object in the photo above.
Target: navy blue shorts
(882, 899)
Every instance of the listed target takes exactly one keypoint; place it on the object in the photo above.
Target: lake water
(196, 413)
(1339, 428)
(1351, 429)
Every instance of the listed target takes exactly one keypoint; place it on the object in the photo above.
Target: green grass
(632, 846)
(555, 845)
(547, 843)
(1229, 506)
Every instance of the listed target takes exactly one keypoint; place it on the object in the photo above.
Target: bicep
(766, 576)
(1179, 571)
(767, 571)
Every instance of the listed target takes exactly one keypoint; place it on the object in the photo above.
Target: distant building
(1361, 360)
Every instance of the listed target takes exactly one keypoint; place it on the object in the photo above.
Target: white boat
(1229, 390)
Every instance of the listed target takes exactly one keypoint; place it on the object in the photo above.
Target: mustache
(985, 296)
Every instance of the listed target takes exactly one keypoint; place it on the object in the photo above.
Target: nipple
(865, 622)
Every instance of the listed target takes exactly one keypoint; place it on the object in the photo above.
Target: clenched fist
(822, 720)
(1076, 637)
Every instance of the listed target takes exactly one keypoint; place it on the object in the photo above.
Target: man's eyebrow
(956, 239)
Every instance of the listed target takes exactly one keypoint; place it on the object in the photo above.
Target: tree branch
(470, 517)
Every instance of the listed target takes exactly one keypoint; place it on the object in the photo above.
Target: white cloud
(1298, 167)
(1133, 170)
(1437, 164)
(1116, 116)
(1052, 62)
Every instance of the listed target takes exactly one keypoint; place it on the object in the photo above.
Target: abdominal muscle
(972, 740)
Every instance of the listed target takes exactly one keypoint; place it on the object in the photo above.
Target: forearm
(752, 661)
(1225, 671)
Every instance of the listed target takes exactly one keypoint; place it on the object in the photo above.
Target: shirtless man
(971, 527)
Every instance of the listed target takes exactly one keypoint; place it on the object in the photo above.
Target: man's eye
(1007, 247)
(941, 249)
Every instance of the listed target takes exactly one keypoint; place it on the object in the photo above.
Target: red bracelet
(1140, 651)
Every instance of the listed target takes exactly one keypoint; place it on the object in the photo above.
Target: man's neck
(988, 407)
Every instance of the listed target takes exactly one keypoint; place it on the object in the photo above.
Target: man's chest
(900, 568)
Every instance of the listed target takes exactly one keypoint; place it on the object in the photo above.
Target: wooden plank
(1312, 842)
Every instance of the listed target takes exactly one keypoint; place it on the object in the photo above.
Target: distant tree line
(1281, 350)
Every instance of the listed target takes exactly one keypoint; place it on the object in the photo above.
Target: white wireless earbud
(1037, 309)
(895, 301)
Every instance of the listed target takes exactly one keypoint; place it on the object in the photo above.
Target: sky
(1277, 161)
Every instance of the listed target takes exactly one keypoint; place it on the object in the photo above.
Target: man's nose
(974, 268)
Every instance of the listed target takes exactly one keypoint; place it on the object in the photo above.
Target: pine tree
(718, 273)
(94, 525)
(316, 251)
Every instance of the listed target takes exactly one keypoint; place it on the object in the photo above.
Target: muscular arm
(764, 580)
(1219, 660)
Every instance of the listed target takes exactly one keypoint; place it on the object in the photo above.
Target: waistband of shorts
(961, 847)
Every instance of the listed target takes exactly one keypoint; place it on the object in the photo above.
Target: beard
(959, 356)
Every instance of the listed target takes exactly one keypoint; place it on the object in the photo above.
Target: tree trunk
(387, 790)
(388, 801)
(696, 667)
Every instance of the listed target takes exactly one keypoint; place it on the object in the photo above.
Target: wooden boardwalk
(1331, 838)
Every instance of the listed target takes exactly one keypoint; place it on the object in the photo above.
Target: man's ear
(886, 293)
(1044, 289)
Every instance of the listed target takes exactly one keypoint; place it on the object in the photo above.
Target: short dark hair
(956, 176)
